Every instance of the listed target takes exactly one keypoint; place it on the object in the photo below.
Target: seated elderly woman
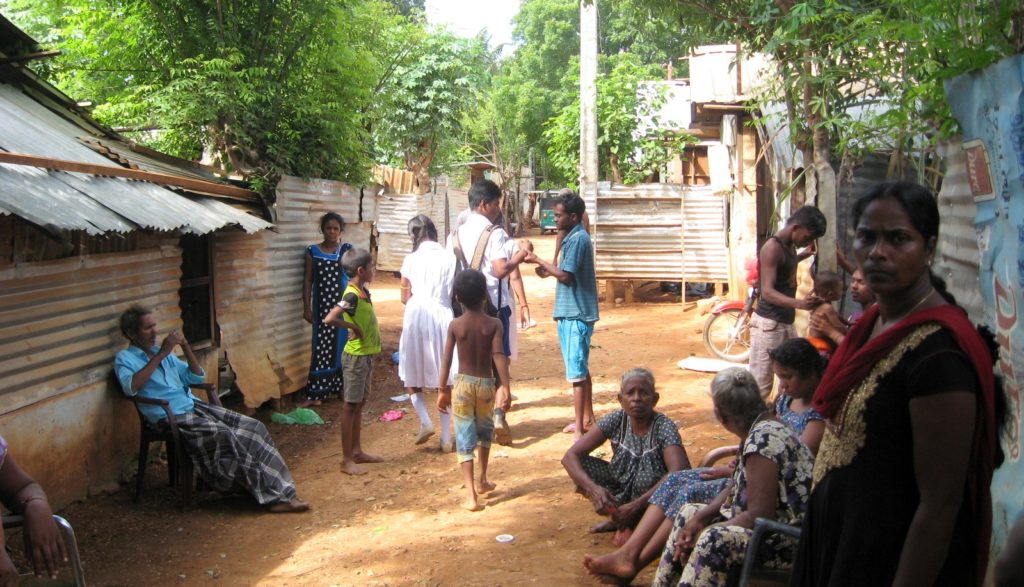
(645, 447)
(798, 366)
(772, 480)
(43, 543)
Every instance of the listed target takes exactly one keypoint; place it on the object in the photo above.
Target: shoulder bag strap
(460, 256)
(481, 246)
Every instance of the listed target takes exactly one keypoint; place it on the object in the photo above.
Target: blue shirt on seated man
(210, 433)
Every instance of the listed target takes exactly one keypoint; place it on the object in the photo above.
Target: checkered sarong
(231, 450)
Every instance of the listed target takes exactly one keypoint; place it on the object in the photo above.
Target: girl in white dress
(427, 276)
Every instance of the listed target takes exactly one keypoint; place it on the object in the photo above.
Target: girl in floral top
(772, 480)
(798, 367)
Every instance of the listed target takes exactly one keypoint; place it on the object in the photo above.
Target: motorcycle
(727, 329)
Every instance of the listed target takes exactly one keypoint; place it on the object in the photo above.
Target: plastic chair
(70, 544)
(180, 471)
(716, 454)
(753, 573)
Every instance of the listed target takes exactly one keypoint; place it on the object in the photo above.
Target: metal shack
(700, 224)
(90, 224)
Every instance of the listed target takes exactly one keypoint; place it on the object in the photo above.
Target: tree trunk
(613, 162)
(418, 163)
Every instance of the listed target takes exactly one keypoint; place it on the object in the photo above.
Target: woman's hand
(43, 542)
(8, 573)
(603, 501)
(307, 315)
(718, 472)
(687, 538)
(627, 514)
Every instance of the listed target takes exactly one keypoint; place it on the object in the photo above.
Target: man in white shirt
(501, 257)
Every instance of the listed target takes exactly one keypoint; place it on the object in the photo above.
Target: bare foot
(472, 505)
(352, 468)
(289, 507)
(612, 568)
(362, 457)
(485, 487)
(605, 526)
(310, 403)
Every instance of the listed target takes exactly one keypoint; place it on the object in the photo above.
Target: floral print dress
(720, 548)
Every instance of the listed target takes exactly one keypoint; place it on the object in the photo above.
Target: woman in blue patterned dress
(799, 368)
(322, 285)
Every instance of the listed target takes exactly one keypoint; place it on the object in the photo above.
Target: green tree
(631, 146)
(267, 87)
(539, 81)
(425, 99)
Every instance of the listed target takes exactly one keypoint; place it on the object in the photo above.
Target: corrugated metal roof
(93, 203)
(42, 198)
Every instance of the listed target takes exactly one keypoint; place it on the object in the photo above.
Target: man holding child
(772, 322)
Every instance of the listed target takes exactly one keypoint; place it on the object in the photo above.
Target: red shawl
(856, 356)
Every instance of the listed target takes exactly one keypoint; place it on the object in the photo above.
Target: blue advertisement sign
(988, 105)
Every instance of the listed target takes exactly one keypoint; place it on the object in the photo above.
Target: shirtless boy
(479, 340)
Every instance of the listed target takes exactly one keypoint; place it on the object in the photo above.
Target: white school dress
(431, 273)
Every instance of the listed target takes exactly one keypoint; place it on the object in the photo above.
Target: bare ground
(401, 524)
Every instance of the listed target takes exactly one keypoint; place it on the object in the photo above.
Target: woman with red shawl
(901, 480)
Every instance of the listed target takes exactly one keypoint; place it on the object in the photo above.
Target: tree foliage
(627, 107)
(426, 98)
(539, 82)
(265, 86)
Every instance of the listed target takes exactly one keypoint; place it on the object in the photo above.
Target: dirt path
(401, 524)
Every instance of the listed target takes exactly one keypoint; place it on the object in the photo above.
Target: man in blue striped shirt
(575, 304)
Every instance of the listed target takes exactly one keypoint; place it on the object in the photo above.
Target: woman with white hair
(772, 480)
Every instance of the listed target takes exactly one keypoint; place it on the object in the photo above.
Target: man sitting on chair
(228, 449)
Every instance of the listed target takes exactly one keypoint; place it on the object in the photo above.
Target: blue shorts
(505, 315)
(574, 338)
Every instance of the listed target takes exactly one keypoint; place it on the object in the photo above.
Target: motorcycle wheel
(717, 338)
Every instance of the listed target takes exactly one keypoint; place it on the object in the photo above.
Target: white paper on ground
(706, 365)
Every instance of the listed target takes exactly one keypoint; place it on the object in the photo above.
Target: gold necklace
(912, 309)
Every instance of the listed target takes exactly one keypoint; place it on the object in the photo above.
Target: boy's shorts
(473, 408)
(574, 338)
(358, 372)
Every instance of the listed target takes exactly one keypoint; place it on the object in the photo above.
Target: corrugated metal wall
(957, 259)
(58, 319)
(640, 233)
(393, 214)
(705, 241)
(59, 333)
(300, 203)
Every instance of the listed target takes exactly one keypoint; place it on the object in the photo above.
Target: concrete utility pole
(588, 93)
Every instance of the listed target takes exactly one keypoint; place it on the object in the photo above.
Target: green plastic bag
(303, 416)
